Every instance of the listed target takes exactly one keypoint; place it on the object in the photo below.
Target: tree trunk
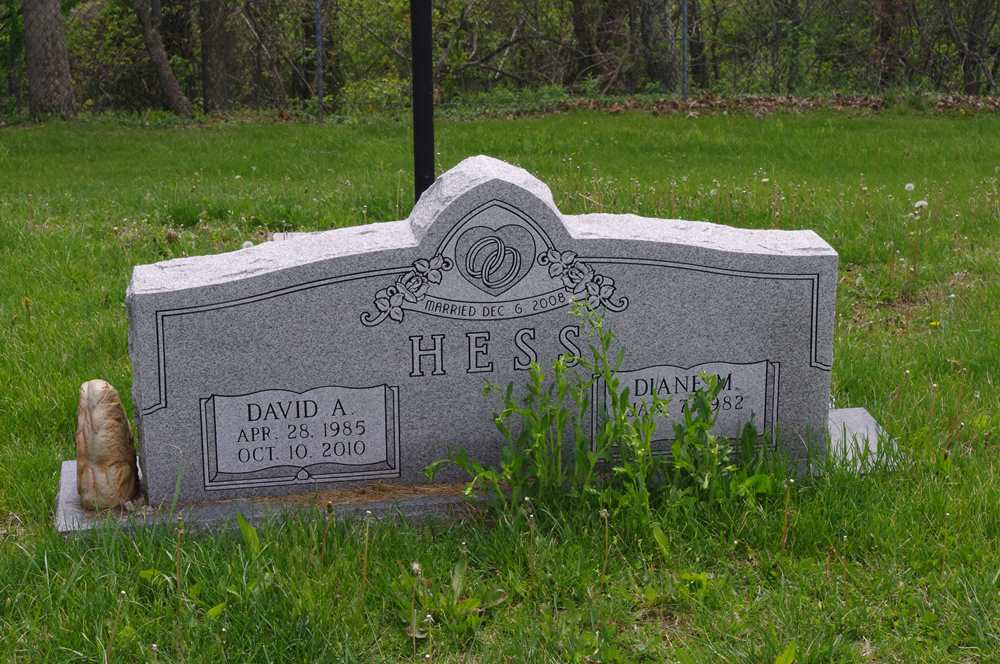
(634, 77)
(15, 51)
(149, 19)
(793, 16)
(657, 49)
(216, 54)
(716, 19)
(978, 44)
(179, 32)
(973, 46)
(612, 33)
(699, 64)
(888, 56)
(303, 84)
(50, 87)
(583, 32)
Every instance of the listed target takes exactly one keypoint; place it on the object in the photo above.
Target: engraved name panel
(749, 393)
(275, 437)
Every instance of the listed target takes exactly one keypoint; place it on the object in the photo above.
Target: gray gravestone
(359, 354)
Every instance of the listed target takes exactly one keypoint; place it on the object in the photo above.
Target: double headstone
(331, 359)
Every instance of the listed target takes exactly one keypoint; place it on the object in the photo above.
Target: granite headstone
(359, 354)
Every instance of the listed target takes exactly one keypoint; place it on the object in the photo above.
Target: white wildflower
(919, 205)
(247, 244)
(909, 186)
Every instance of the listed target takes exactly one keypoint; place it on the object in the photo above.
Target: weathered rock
(105, 458)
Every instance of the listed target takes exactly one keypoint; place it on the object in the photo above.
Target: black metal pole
(423, 96)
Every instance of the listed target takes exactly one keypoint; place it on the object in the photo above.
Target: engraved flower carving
(389, 302)
(431, 269)
(411, 286)
(558, 261)
(599, 290)
(579, 278)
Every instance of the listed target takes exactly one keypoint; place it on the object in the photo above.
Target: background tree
(657, 43)
(149, 14)
(886, 26)
(217, 62)
(970, 27)
(584, 14)
(12, 46)
(263, 52)
(50, 88)
(699, 59)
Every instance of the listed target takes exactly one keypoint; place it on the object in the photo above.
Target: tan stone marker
(105, 458)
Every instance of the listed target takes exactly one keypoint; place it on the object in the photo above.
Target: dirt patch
(374, 493)
(11, 527)
(357, 496)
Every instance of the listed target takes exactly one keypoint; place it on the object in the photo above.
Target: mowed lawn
(902, 564)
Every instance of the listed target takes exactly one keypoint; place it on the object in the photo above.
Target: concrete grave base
(854, 434)
(413, 503)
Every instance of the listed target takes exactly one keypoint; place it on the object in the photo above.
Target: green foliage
(534, 426)
(505, 57)
(375, 95)
(108, 59)
(617, 470)
(898, 564)
(552, 414)
(452, 612)
(787, 655)
(250, 537)
(531, 461)
(706, 468)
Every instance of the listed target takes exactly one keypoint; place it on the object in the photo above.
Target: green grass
(894, 566)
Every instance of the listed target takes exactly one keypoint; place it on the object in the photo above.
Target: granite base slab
(854, 435)
(417, 504)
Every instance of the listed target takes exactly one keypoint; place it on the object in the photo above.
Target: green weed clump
(617, 471)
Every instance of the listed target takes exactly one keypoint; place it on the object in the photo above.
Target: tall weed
(616, 469)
